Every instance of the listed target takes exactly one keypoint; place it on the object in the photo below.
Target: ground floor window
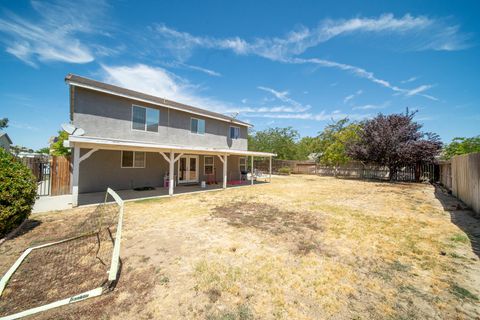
(243, 164)
(208, 165)
(133, 159)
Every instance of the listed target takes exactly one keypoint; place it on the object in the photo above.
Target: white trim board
(131, 145)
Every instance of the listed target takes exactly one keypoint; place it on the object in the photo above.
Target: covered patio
(174, 182)
(134, 195)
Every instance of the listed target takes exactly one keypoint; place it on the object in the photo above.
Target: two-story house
(134, 140)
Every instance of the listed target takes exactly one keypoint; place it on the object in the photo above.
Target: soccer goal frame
(112, 273)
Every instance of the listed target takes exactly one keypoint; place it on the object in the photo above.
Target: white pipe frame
(112, 273)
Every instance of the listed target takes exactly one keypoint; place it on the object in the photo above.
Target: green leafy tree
(333, 142)
(45, 150)
(57, 148)
(282, 141)
(306, 146)
(3, 123)
(18, 189)
(460, 146)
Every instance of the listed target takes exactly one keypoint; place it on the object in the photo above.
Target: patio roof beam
(178, 157)
(76, 171)
(165, 156)
(87, 155)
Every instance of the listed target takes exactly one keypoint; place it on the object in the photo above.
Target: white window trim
(205, 164)
(133, 163)
(240, 164)
(145, 127)
(230, 131)
(198, 119)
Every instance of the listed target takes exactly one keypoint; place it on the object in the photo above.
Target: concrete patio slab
(63, 202)
(46, 203)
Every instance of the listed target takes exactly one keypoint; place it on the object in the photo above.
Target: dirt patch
(302, 228)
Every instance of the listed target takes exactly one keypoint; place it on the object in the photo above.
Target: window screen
(145, 119)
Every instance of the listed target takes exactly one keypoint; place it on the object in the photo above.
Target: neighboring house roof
(83, 82)
(4, 134)
(120, 144)
(31, 155)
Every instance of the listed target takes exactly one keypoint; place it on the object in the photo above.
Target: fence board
(465, 173)
(60, 168)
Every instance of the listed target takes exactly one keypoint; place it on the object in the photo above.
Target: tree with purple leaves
(394, 141)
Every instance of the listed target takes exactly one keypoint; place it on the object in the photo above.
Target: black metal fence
(41, 169)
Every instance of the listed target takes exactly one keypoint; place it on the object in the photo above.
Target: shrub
(284, 170)
(18, 189)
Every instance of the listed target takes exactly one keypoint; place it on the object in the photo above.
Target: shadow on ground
(461, 216)
(25, 228)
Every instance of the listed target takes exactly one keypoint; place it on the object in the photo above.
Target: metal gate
(40, 168)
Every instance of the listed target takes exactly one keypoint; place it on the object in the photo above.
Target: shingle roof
(2, 133)
(82, 81)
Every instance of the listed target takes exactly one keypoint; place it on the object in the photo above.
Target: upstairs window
(197, 126)
(234, 132)
(145, 119)
(133, 159)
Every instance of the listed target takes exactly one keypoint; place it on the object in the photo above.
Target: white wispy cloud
(418, 90)
(411, 79)
(162, 83)
(322, 116)
(284, 97)
(286, 49)
(362, 73)
(351, 96)
(429, 34)
(182, 65)
(55, 35)
(369, 107)
(23, 126)
(204, 70)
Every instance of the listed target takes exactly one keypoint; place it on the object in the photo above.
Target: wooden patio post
(76, 174)
(270, 170)
(171, 173)
(251, 176)
(225, 172)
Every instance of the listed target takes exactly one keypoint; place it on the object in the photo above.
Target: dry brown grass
(303, 247)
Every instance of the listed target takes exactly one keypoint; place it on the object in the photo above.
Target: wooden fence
(52, 174)
(462, 175)
(353, 169)
(60, 168)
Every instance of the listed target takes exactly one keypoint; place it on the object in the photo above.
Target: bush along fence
(354, 169)
(461, 175)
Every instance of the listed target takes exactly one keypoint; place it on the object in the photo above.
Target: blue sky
(276, 63)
